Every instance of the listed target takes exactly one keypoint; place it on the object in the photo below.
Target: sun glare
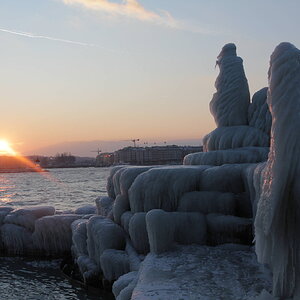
(5, 148)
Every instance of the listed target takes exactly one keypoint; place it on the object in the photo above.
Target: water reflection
(63, 188)
(26, 279)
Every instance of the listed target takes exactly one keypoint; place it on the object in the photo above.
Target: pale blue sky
(136, 78)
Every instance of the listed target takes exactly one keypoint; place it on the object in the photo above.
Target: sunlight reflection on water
(63, 188)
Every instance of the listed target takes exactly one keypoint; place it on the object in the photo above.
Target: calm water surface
(62, 188)
(65, 189)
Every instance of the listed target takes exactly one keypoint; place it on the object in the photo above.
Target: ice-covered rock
(88, 269)
(27, 216)
(79, 237)
(162, 187)
(228, 156)
(225, 179)
(229, 105)
(208, 202)
(16, 240)
(277, 220)
(223, 138)
(254, 179)
(138, 233)
(110, 186)
(86, 210)
(166, 228)
(128, 176)
(224, 229)
(160, 228)
(53, 235)
(123, 282)
(134, 257)
(4, 211)
(114, 263)
(102, 234)
(259, 115)
(104, 205)
(121, 205)
(125, 220)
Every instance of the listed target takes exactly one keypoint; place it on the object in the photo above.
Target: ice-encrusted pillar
(229, 104)
(277, 223)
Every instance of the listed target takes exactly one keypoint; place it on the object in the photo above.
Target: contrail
(35, 36)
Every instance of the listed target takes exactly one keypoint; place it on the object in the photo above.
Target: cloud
(128, 8)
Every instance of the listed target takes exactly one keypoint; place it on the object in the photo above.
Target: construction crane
(98, 151)
(134, 141)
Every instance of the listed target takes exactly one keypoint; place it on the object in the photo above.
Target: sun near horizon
(6, 149)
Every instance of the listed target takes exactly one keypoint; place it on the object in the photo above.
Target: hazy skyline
(82, 70)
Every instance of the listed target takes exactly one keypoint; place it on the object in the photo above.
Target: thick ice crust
(228, 156)
(230, 103)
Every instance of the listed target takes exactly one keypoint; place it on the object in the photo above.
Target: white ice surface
(53, 234)
(114, 263)
(162, 187)
(233, 137)
(259, 115)
(27, 216)
(229, 105)
(277, 220)
(202, 273)
(104, 205)
(228, 156)
(208, 202)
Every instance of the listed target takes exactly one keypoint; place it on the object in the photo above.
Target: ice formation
(229, 105)
(277, 220)
(139, 236)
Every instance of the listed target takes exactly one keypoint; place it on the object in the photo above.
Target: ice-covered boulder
(110, 185)
(166, 228)
(277, 220)
(102, 234)
(16, 240)
(223, 138)
(128, 176)
(230, 103)
(53, 235)
(27, 216)
(114, 263)
(225, 179)
(229, 229)
(259, 115)
(104, 205)
(208, 202)
(125, 220)
(86, 210)
(138, 233)
(123, 282)
(79, 237)
(162, 187)
(4, 211)
(121, 205)
(89, 270)
(254, 178)
(228, 156)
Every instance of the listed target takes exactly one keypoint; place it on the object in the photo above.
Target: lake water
(65, 189)
(62, 188)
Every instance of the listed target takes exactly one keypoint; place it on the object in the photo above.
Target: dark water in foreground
(65, 189)
(31, 279)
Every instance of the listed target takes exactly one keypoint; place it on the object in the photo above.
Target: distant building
(105, 159)
(159, 155)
